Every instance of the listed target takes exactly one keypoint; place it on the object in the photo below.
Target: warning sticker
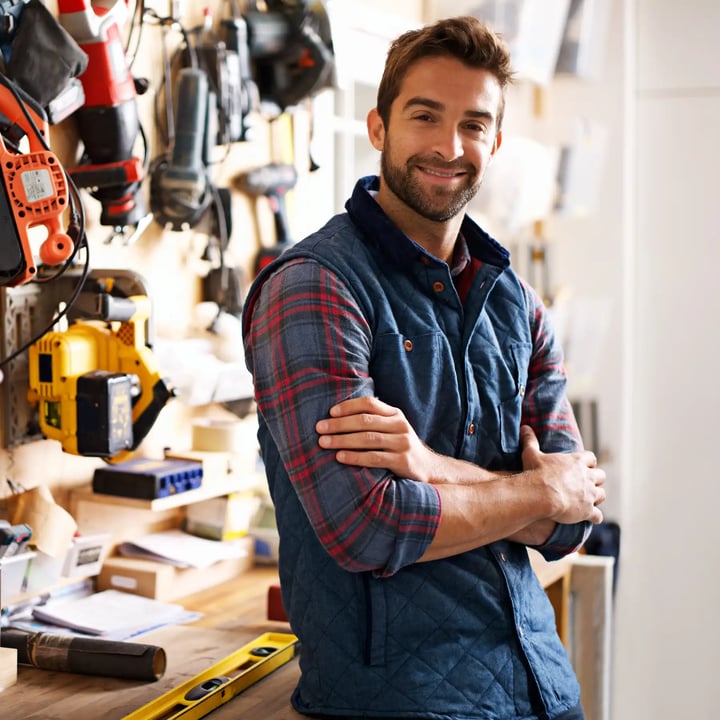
(37, 184)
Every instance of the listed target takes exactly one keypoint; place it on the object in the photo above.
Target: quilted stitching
(425, 672)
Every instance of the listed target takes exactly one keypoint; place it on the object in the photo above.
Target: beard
(432, 203)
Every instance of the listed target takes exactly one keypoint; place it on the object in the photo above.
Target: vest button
(407, 344)
(425, 260)
(522, 391)
(471, 429)
(438, 287)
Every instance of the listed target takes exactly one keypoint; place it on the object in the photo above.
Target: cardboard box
(165, 582)
(97, 514)
(222, 518)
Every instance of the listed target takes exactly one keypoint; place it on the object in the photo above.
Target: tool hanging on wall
(201, 79)
(291, 50)
(36, 192)
(272, 181)
(97, 385)
(108, 122)
(224, 56)
(242, 98)
(180, 186)
(200, 695)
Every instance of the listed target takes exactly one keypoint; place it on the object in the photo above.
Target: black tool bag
(44, 58)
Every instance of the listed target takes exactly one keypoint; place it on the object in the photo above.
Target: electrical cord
(76, 231)
(135, 33)
(166, 126)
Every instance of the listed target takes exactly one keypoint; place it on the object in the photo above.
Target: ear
(497, 143)
(376, 129)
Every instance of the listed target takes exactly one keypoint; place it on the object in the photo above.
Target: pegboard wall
(19, 313)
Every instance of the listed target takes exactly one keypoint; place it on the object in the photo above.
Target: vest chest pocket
(415, 373)
(510, 409)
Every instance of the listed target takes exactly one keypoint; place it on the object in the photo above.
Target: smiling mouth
(448, 174)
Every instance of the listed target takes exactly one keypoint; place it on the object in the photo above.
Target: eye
(476, 127)
(423, 117)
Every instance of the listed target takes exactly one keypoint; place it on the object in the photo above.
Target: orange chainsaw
(34, 190)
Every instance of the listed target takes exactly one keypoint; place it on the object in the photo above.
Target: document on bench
(182, 549)
(113, 614)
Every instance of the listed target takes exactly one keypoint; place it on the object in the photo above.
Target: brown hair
(464, 38)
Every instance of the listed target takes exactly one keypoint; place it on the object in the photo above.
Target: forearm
(478, 506)
(506, 507)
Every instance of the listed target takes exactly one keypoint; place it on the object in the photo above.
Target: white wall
(667, 637)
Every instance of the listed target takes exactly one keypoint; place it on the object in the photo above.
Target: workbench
(234, 614)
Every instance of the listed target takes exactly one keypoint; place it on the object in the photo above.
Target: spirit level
(219, 683)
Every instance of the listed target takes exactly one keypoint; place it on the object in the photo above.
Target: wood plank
(591, 650)
(8, 668)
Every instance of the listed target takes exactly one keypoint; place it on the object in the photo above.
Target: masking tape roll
(217, 435)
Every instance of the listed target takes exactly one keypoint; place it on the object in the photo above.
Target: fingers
(361, 441)
(365, 404)
(590, 459)
(528, 438)
(368, 458)
(363, 414)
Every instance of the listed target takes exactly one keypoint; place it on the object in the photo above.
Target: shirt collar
(379, 229)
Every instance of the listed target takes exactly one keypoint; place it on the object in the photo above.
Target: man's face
(440, 139)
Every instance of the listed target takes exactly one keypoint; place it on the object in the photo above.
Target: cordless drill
(272, 181)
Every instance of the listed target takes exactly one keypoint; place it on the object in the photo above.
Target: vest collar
(377, 227)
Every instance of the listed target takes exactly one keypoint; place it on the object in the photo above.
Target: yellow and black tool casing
(97, 385)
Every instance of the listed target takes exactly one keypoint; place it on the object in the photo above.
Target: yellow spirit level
(220, 683)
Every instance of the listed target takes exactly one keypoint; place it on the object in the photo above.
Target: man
(396, 356)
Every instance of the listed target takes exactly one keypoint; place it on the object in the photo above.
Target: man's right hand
(573, 482)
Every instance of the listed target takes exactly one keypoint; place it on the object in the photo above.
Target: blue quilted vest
(471, 637)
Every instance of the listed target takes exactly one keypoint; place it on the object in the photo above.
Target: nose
(447, 142)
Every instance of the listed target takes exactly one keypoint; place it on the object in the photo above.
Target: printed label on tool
(37, 184)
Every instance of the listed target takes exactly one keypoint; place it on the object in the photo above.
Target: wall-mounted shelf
(216, 488)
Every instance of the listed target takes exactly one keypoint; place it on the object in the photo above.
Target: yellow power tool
(97, 384)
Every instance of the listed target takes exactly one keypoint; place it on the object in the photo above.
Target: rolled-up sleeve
(308, 347)
(547, 410)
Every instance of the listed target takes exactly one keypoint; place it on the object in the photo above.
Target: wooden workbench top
(234, 613)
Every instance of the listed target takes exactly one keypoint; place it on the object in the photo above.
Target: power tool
(97, 384)
(291, 50)
(224, 56)
(108, 122)
(34, 189)
(242, 100)
(271, 181)
(179, 181)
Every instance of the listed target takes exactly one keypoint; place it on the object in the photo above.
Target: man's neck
(438, 238)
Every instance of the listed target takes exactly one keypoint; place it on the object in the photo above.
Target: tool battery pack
(147, 479)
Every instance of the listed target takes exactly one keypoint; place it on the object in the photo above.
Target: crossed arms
(478, 506)
(386, 500)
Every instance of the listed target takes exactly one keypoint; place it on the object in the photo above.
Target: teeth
(439, 173)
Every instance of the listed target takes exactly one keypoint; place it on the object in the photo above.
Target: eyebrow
(435, 105)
